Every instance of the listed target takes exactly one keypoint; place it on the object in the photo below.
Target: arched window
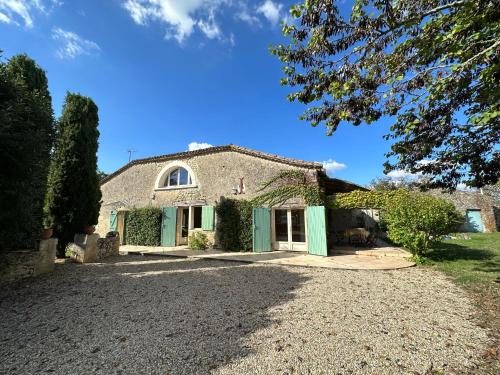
(178, 177)
(175, 175)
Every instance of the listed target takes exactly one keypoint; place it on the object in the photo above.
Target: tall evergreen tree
(26, 134)
(73, 196)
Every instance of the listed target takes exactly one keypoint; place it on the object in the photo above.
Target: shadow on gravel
(139, 315)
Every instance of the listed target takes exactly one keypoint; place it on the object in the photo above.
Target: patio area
(379, 258)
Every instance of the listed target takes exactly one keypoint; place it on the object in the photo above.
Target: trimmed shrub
(143, 226)
(234, 225)
(73, 195)
(416, 221)
(26, 134)
(198, 241)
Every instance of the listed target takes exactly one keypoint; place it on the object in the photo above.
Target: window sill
(176, 187)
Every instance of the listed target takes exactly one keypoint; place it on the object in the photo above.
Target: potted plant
(47, 230)
(89, 229)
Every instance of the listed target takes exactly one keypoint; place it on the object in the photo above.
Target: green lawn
(474, 262)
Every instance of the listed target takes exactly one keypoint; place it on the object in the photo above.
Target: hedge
(234, 225)
(143, 226)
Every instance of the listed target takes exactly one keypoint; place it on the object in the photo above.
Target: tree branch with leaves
(431, 65)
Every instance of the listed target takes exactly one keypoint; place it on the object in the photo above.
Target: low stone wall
(20, 264)
(89, 248)
(107, 247)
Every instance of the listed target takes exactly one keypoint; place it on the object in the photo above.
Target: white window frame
(163, 178)
(288, 245)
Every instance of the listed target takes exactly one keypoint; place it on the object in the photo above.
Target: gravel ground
(153, 315)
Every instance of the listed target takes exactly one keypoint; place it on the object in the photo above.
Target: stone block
(84, 249)
(47, 255)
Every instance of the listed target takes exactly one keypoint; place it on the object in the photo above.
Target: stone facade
(16, 265)
(215, 175)
(464, 200)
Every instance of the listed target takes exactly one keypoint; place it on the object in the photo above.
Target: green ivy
(365, 199)
(290, 184)
(143, 226)
(234, 224)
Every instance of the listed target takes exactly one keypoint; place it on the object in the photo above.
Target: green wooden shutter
(207, 217)
(168, 226)
(261, 230)
(113, 221)
(316, 230)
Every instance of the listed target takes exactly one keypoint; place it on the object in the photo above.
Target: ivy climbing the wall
(234, 224)
(143, 226)
(287, 185)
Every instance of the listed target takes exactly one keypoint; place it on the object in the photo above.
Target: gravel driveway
(153, 315)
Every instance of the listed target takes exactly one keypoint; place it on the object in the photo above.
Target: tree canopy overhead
(432, 65)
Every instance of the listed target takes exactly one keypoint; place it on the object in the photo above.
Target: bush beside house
(143, 226)
(234, 225)
(413, 220)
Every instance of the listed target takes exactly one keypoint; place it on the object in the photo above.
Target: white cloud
(193, 146)
(209, 27)
(331, 166)
(15, 11)
(271, 10)
(400, 174)
(73, 45)
(180, 17)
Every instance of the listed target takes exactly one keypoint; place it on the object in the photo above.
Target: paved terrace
(381, 258)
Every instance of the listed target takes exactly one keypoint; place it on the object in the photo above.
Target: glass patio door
(289, 229)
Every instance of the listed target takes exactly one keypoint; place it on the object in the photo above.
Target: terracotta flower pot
(46, 233)
(89, 229)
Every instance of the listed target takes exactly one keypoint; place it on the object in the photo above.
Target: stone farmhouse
(188, 185)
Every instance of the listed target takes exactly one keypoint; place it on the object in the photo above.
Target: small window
(178, 177)
(196, 217)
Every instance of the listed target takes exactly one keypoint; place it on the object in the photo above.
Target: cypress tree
(26, 134)
(73, 196)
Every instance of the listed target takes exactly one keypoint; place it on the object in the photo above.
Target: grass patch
(475, 265)
(474, 262)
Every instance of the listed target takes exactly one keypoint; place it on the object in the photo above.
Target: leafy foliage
(73, 196)
(234, 224)
(286, 185)
(26, 134)
(413, 220)
(143, 226)
(433, 64)
(198, 241)
(417, 221)
(365, 199)
(388, 183)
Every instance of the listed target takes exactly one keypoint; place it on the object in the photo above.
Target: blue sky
(167, 73)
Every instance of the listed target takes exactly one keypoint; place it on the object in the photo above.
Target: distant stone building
(479, 209)
(188, 185)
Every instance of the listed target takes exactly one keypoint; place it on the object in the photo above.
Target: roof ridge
(213, 149)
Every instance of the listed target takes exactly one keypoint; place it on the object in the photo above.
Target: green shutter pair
(316, 230)
(169, 223)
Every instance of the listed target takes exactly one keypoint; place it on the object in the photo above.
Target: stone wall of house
(216, 175)
(20, 264)
(464, 200)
